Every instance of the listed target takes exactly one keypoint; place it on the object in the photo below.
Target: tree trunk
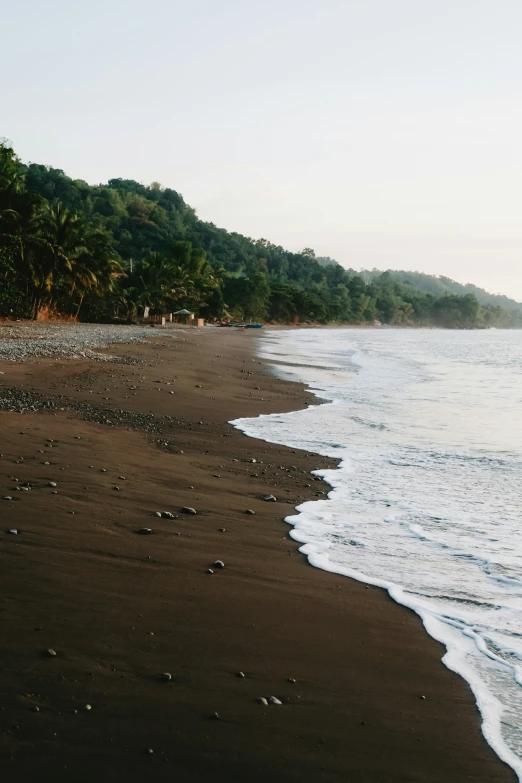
(79, 307)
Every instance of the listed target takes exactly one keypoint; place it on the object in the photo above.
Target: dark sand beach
(371, 700)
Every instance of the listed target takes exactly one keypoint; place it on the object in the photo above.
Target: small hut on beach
(183, 316)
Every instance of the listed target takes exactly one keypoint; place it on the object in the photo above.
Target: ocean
(427, 499)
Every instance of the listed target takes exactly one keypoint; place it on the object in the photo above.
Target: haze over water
(426, 500)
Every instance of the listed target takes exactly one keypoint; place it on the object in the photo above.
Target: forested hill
(99, 252)
(438, 285)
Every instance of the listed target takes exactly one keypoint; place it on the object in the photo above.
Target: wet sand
(121, 608)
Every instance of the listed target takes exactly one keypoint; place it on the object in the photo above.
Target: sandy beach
(364, 694)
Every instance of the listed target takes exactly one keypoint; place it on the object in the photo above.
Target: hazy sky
(383, 133)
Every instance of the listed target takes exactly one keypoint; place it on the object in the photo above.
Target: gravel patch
(21, 401)
(23, 342)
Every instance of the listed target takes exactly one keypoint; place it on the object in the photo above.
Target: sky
(382, 133)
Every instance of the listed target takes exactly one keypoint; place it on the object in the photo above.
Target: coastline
(120, 609)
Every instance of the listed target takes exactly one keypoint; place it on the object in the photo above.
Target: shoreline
(433, 622)
(120, 609)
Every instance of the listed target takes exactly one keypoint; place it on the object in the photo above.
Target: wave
(410, 486)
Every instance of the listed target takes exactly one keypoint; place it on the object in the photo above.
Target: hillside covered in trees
(439, 285)
(100, 252)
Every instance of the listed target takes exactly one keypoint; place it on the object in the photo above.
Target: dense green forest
(104, 252)
(440, 285)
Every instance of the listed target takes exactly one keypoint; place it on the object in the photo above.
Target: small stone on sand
(250, 511)
(188, 510)
(219, 564)
(50, 653)
(274, 700)
(167, 515)
(269, 498)
(209, 571)
(144, 531)
(263, 701)
(166, 677)
(52, 484)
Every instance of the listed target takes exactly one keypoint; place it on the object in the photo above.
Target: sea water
(427, 498)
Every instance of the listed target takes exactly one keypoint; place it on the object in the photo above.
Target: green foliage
(442, 286)
(104, 251)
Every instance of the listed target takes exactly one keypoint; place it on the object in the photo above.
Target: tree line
(105, 252)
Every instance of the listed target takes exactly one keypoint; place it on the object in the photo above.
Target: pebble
(13, 531)
(87, 707)
(252, 460)
(8, 497)
(52, 484)
(291, 679)
(269, 497)
(167, 515)
(157, 513)
(216, 716)
(188, 510)
(241, 674)
(219, 564)
(250, 511)
(274, 700)
(209, 571)
(166, 677)
(50, 653)
(263, 701)
(144, 531)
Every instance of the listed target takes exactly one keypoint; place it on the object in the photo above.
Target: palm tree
(22, 238)
(156, 281)
(63, 241)
(93, 270)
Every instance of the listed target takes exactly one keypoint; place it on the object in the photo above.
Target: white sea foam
(428, 430)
